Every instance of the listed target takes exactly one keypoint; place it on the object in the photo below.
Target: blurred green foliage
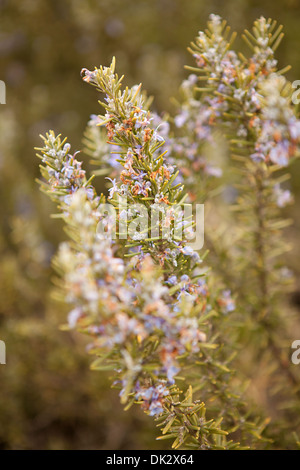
(49, 398)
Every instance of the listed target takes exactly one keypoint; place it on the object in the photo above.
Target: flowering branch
(250, 101)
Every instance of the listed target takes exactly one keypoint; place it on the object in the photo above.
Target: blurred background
(49, 399)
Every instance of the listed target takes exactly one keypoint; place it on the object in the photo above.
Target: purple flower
(114, 188)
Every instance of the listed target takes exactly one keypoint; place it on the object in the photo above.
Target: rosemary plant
(166, 328)
(249, 101)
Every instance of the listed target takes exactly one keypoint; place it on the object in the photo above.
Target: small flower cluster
(62, 170)
(226, 302)
(232, 83)
(247, 96)
(152, 397)
(264, 98)
(193, 135)
(279, 138)
(283, 197)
